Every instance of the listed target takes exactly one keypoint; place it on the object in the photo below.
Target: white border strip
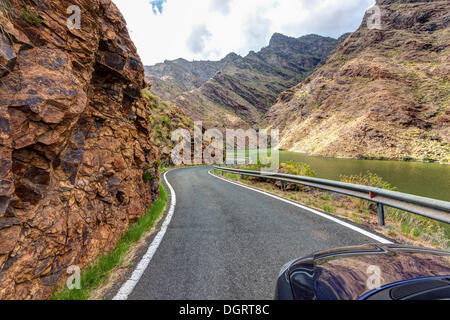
(345, 224)
(129, 286)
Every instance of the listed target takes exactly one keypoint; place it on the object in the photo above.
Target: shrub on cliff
(31, 17)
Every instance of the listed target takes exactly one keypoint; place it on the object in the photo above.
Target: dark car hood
(343, 274)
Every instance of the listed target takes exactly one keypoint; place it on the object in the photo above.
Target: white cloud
(197, 41)
(221, 5)
(226, 26)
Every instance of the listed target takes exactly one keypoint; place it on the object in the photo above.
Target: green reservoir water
(430, 180)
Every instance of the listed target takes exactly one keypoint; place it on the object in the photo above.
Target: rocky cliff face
(383, 93)
(73, 141)
(237, 91)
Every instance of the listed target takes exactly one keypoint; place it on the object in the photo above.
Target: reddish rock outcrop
(73, 141)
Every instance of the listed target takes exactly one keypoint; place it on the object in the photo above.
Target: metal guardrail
(426, 207)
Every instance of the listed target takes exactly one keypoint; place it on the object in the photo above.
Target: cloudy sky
(210, 29)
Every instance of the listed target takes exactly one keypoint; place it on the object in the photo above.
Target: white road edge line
(129, 286)
(345, 224)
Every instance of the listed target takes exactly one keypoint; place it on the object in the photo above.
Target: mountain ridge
(381, 94)
(242, 89)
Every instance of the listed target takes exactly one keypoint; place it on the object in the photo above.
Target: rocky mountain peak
(231, 57)
(280, 40)
(242, 87)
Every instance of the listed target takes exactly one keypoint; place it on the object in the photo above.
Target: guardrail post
(282, 185)
(381, 214)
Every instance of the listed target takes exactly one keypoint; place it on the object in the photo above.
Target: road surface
(228, 242)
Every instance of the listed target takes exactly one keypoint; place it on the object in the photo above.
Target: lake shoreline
(421, 178)
(366, 158)
(360, 158)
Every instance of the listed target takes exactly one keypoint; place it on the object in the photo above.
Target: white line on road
(326, 216)
(129, 286)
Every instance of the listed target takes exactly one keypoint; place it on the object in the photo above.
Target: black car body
(399, 273)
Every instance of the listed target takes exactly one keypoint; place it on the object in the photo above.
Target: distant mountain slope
(383, 93)
(171, 78)
(237, 91)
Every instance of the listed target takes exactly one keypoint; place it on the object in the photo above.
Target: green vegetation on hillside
(164, 119)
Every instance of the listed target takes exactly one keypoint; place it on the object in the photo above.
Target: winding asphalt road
(228, 242)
